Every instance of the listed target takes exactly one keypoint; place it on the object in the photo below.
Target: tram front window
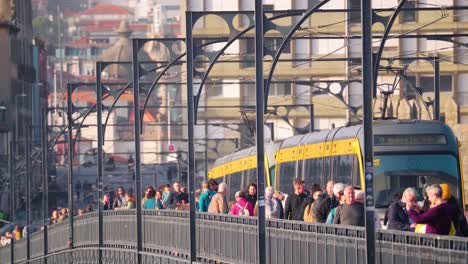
(394, 173)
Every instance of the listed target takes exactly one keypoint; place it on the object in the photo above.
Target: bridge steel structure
(163, 236)
(228, 239)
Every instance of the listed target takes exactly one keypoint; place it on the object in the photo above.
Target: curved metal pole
(283, 45)
(153, 85)
(417, 94)
(382, 45)
(166, 68)
(210, 67)
(112, 107)
(220, 52)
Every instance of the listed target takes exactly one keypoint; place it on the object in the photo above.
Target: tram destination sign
(392, 140)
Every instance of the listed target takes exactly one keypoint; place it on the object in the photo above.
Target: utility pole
(259, 111)
(367, 79)
(191, 140)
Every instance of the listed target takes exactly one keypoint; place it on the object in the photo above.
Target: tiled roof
(107, 10)
(84, 42)
(111, 27)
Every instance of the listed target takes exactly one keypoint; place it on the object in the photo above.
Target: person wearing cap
(294, 209)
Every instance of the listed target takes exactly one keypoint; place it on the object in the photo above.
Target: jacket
(438, 219)
(241, 204)
(252, 199)
(119, 202)
(323, 206)
(294, 208)
(175, 198)
(352, 215)
(398, 218)
(218, 205)
(205, 199)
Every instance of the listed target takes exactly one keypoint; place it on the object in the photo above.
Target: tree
(41, 26)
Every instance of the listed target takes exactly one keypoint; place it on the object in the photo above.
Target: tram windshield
(394, 173)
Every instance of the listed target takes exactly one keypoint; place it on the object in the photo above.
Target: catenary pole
(137, 168)
(12, 197)
(71, 147)
(436, 88)
(191, 139)
(259, 111)
(28, 192)
(45, 182)
(100, 169)
(367, 79)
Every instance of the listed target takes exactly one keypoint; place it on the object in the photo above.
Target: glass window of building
(408, 15)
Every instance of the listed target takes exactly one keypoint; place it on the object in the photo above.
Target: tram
(407, 153)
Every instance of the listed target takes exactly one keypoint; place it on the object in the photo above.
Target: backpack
(243, 211)
(309, 214)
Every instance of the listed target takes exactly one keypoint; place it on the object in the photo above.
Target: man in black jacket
(176, 197)
(293, 207)
(397, 215)
(327, 201)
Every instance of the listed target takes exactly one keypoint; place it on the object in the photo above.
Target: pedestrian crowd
(337, 203)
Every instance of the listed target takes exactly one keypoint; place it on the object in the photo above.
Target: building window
(275, 43)
(354, 16)
(427, 83)
(280, 88)
(248, 58)
(214, 89)
(409, 86)
(312, 3)
(408, 15)
(267, 8)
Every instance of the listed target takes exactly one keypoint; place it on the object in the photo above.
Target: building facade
(22, 93)
(320, 54)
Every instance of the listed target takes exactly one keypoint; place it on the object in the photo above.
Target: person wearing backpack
(205, 197)
(241, 207)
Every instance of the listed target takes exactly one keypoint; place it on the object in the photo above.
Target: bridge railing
(5, 254)
(37, 244)
(86, 230)
(57, 239)
(230, 239)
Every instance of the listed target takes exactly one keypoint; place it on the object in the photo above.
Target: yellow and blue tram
(407, 153)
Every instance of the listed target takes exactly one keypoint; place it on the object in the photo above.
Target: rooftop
(107, 9)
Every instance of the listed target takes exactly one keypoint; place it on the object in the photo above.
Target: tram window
(249, 177)
(312, 171)
(299, 170)
(227, 179)
(397, 172)
(356, 172)
(326, 169)
(235, 181)
(286, 175)
(343, 168)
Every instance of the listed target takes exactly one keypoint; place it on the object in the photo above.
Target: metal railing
(229, 239)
